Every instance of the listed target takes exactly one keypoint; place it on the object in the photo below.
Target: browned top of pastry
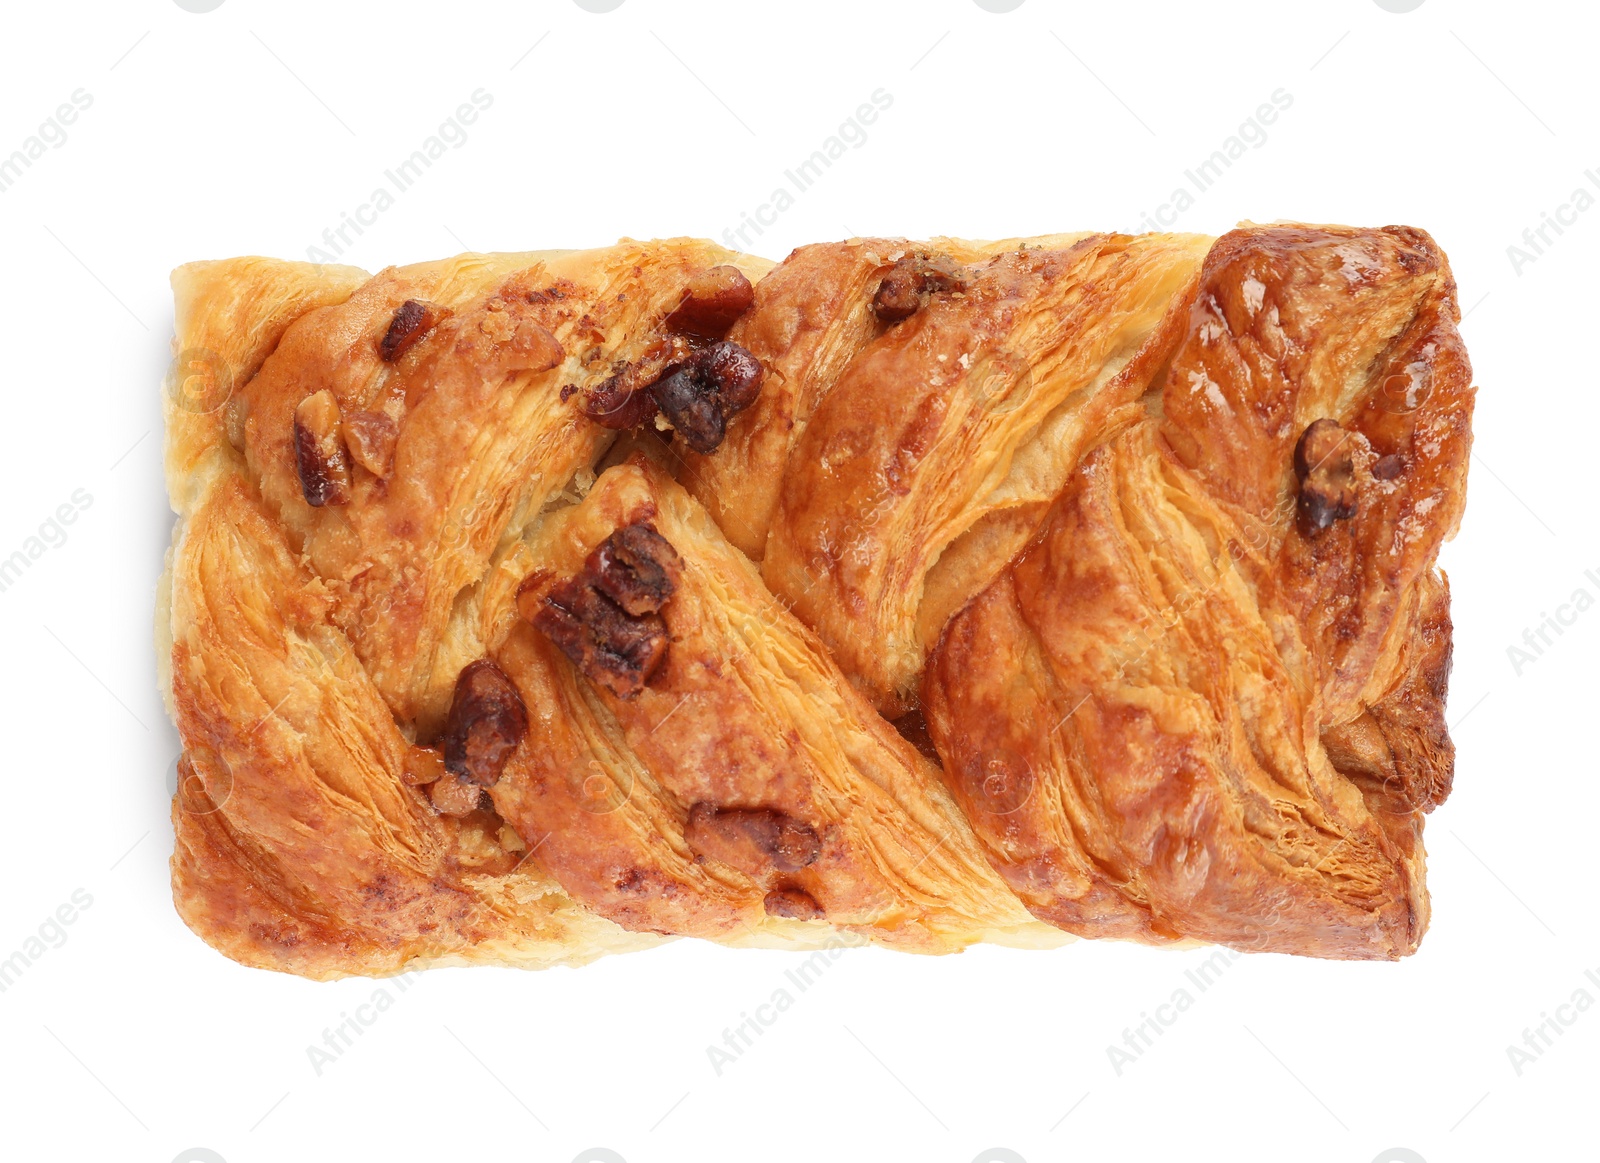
(1207, 701)
(1148, 524)
(927, 402)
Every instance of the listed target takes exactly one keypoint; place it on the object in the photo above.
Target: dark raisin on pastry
(486, 723)
(319, 452)
(698, 390)
(1324, 463)
(622, 400)
(713, 386)
(412, 320)
(905, 289)
(692, 375)
(606, 618)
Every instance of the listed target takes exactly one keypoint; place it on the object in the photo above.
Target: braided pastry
(524, 608)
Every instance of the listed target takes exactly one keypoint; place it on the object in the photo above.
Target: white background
(250, 129)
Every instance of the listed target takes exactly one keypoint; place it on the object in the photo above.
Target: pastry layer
(1144, 527)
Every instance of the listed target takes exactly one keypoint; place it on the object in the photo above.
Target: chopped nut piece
(486, 723)
(412, 320)
(422, 765)
(1324, 462)
(697, 390)
(606, 618)
(608, 645)
(792, 903)
(319, 453)
(636, 568)
(523, 344)
(510, 840)
(621, 401)
(905, 289)
(455, 796)
(371, 437)
(712, 301)
(753, 840)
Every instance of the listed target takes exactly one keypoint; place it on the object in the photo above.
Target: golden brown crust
(1187, 644)
(229, 315)
(486, 437)
(748, 713)
(447, 696)
(971, 410)
(812, 316)
(296, 847)
(316, 857)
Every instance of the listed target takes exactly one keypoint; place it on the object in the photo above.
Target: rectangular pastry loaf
(524, 608)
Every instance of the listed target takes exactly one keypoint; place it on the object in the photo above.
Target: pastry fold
(1183, 711)
(895, 466)
(747, 714)
(523, 608)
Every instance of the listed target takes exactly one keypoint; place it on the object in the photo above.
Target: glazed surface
(524, 608)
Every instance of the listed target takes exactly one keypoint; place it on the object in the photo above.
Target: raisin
(486, 723)
(692, 411)
(696, 389)
(622, 401)
(716, 383)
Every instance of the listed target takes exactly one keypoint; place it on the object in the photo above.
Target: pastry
(903, 454)
(524, 608)
(1208, 700)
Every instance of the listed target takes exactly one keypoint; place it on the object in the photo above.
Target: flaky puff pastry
(1207, 700)
(305, 646)
(893, 464)
(446, 697)
(320, 607)
(652, 809)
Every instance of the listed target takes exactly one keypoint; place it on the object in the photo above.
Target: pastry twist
(524, 608)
